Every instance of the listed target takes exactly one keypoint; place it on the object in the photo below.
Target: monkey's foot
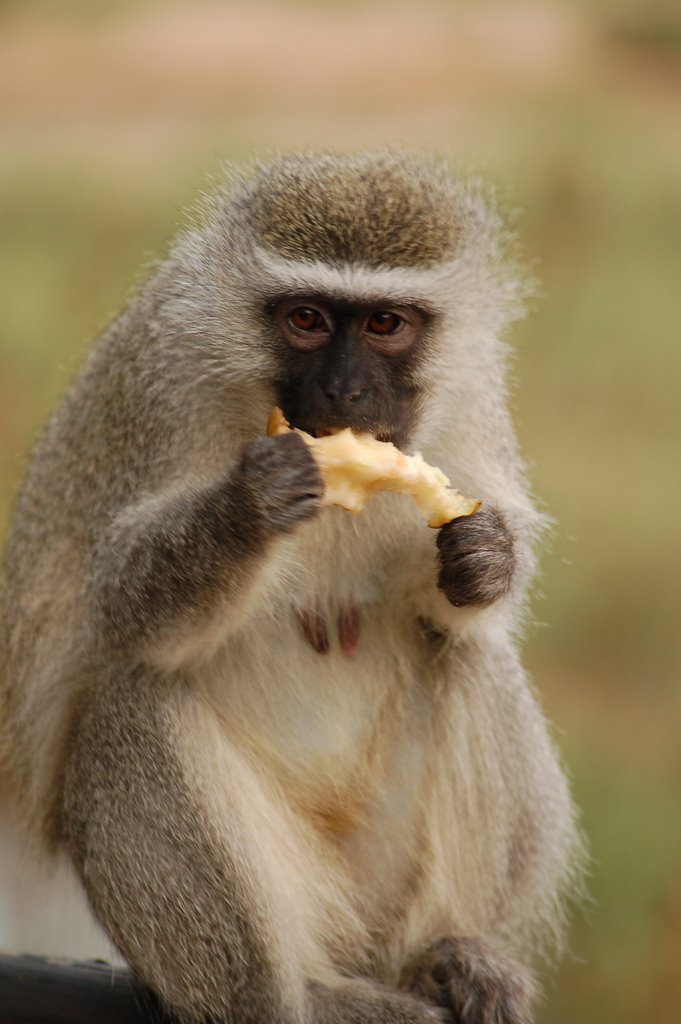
(476, 985)
(362, 1002)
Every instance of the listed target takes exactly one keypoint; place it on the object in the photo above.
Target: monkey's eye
(384, 322)
(392, 333)
(305, 328)
(305, 318)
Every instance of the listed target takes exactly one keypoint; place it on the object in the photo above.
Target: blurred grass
(594, 156)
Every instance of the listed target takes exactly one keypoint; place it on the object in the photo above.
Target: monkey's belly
(338, 732)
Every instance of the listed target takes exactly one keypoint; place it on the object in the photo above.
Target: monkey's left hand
(476, 558)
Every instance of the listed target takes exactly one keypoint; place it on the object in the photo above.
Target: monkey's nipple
(348, 629)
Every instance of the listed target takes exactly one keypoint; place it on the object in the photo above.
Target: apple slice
(356, 466)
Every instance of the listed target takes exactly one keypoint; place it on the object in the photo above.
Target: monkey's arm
(173, 566)
(480, 571)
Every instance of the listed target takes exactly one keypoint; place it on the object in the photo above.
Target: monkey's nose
(337, 392)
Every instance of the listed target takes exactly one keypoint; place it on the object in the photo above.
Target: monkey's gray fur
(271, 834)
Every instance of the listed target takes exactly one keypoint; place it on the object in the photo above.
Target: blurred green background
(113, 115)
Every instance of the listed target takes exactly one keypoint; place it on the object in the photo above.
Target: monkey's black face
(348, 364)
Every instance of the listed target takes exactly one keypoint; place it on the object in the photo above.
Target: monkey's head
(348, 286)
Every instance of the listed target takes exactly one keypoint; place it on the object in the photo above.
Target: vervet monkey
(291, 752)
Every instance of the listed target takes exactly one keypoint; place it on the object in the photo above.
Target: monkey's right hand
(279, 483)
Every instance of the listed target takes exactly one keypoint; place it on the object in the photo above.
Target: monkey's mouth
(380, 435)
(325, 425)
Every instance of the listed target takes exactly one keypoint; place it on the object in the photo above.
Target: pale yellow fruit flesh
(357, 466)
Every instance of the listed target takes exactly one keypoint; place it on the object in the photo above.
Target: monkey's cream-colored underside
(356, 466)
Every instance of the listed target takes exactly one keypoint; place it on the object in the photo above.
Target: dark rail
(45, 990)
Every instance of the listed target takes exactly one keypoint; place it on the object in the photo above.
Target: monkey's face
(343, 363)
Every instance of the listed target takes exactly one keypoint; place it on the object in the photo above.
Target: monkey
(292, 753)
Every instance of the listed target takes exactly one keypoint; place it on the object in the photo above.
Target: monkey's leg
(364, 1002)
(474, 983)
(172, 891)
(192, 871)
